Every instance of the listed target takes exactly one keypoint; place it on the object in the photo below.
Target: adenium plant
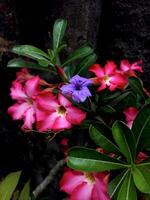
(109, 104)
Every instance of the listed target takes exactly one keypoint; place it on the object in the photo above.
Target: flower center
(29, 101)
(89, 177)
(78, 87)
(106, 79)
(61, 111)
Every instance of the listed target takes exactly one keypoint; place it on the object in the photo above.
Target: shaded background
(117, 29)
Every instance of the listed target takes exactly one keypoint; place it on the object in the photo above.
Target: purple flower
(77, 88)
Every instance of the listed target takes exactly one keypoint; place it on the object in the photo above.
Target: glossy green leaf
(25, 193)
(89, 160)
(136, 85)
(107, 109)
(59, 29)
(30, 51)
(115, 184)
(127, 190)
(8, 185)
(145, 163)
(20, 63)
(141, 177)
(141, 126)
(119, 98)
(124, 139)
(100, 138)
(80, 53)
(83, 66)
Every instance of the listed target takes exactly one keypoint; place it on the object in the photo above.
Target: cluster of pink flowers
(113, 78)
(49, 112)
(41, 108)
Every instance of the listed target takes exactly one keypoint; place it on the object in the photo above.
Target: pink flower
(130, 114)
(108, 76)
(140, 157)
(129, 69)
(23, 75)
(25, 106)
(57, 113)
(85, 186)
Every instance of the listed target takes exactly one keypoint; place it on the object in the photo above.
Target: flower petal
(32, 86)
(100, 191)
(29, 118)
(125, 65)
(75, 116)
(17, 91)
(63, 101)
(70, 181)
(47, 122)
(61, 123)
(110, 68)
(97, 70)
(47, 101)
(17, 110)
(82, 192)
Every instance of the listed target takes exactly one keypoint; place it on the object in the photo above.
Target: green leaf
(127, 190)
(100, 138)
(136, 85)
(20, 63)
(25, 193)
(83, 66)
(78, 54)
(141, 127)
(145, 163)
(125, 140)
(59, 29)
(89, 160)
(141, 176)
(30, 51)
(107, 109)
(8, 185)
(119, 98)
(115, 184)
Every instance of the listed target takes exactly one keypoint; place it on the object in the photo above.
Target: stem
(48, 179)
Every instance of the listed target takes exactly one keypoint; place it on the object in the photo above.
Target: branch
(39, 189)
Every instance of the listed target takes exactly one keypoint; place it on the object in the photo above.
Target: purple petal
(67, 89)
(78, 80)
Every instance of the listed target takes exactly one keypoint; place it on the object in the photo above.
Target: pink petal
(130, 113)
(82, 192)
(110, 68)
(102, 86)
(136, 66)
(61, 123)
(118, 80)
(32, 86)
(17, 91)
(47, 101)
(29, 118)
(47, 122)
(63, 101)
(23, 75)
(97, 70)
(100, 191)
(70, 181)
(125, 65)
(17, 110)
(75, 116)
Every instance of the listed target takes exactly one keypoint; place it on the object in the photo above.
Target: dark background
(117, 29)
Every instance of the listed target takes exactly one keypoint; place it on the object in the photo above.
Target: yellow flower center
(89, 177)
(29, 101)
(61, 111)
(106, 79)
